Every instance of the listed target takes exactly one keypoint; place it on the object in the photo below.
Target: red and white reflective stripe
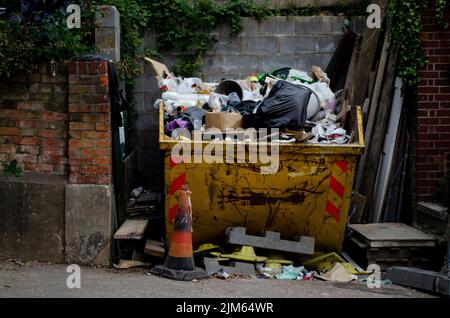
(175, 185)
(338, 180)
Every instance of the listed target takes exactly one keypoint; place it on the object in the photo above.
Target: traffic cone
(179, 263)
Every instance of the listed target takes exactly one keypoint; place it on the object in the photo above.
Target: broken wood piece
(131, 230)
(126, 264)
(359, 202)
(154, 248)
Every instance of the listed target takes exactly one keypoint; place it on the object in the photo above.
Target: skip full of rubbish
(286, 99)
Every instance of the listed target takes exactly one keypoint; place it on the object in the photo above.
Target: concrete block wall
(432, 116)
(265, 46)
(33, 120)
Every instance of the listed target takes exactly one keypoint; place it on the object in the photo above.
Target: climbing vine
(405, 28)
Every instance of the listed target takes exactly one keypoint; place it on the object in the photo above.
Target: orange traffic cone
(179, 263)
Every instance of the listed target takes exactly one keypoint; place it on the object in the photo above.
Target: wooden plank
(372, 111)
(367, 57)
(359, 201)
(131, 230)
(375, 147)
(349, 81)
(129, 164)
(364, 66)
(390, 141)
(154, 248)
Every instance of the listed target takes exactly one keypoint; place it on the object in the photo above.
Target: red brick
(95, 135)
(26, 158)
(7, 149)
(30, 106)
(103, 143)
(77, 179)
(48, 133)
(79, 161)
(81, 126)
(30, 167)
(59, 169)
(30, 123)
(103, 80)
(75, 134)
(53, 143)
(83, 68)
(103, 161)
(445, 144)
(101, 152)
(103, 68)
(103, 180)
(72, 68)
(430, 44)
(442, 82)
(9, 131)
(82, 89)
(103, 108)
(54, 116)
(427, 89)
(428, 121)
(95, 99)
(29, 141)
(88, 170)
(103, 170)
(101, 127)
(32, 150)
(443, 128)
(81, 143)
(427, 136)
(444, 51)
(443, 113)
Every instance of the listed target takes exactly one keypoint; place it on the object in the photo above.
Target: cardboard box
(223, 120)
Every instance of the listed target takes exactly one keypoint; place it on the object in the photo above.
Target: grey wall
(32, 217)
(276, 42)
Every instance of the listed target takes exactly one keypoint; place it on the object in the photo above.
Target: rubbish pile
(271, 263)
(300, 104)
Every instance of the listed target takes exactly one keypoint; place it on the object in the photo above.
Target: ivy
(405, 29)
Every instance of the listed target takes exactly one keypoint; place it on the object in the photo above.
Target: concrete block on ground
(271, 241)
(212, 266)
(89, 215)
(420, 279)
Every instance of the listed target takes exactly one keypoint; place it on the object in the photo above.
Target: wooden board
(131, 230)
(392, 235)
(366, 60)
(375, 146)
(154, 248)
(359, 201)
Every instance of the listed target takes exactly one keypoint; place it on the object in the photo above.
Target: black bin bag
(285, 107)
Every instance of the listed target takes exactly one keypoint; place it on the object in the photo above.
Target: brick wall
(33, 121)
(89, 123)
(61, 124)
(432, 120)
